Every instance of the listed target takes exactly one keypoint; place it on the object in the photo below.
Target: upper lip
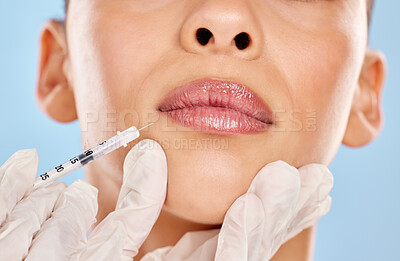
(218, 93)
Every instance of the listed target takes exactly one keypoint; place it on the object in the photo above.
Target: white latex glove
(280, 203)
(51, 223)
(23, 211)
(120, 235)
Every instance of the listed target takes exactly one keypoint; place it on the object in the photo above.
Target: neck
(167, 231)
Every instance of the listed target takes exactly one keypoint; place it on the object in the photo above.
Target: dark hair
(370, 7)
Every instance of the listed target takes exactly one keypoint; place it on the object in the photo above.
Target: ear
(54, 93)
(366, 115)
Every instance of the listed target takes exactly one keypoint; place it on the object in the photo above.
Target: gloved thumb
(120, 235)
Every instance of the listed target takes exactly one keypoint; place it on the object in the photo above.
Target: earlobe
(366, 116)
(54, 93)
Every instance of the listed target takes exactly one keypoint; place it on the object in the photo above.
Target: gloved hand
(280, 203)
(58, 218)
(23, 211)
(120, 235)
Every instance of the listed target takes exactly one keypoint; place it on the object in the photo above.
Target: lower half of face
(126, 64)
(207, 170)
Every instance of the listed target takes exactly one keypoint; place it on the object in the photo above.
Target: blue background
(363, 223)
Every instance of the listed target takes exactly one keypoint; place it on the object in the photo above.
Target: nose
(228, 27)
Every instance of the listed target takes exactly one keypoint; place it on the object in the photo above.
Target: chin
(202, 185)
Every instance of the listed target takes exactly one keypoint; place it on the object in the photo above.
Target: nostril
(203, 36)
(242, 41)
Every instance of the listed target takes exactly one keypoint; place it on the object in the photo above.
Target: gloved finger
(63, 235)
(316, 183)
(122, 232)
(25, 220)
(278, 187)
(314, 200)
(308, 220)
(193, 246)
(17, 175)
(241, 234)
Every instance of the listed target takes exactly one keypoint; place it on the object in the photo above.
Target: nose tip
(241, 40)
(223, 27)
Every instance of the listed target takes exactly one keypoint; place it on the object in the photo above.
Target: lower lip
(216, 120)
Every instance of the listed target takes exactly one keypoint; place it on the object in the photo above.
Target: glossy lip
(217, 106)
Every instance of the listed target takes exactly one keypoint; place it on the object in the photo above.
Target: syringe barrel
(115, 142)
(57, 173)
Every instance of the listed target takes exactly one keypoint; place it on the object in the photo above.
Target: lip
(217, 106)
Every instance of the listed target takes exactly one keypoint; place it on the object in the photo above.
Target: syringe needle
(146, 126)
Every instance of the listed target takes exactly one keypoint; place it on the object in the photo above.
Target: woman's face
(303, 61)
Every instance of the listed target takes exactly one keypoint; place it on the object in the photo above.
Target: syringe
(107, 146)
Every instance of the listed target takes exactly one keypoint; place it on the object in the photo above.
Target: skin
(113, 62)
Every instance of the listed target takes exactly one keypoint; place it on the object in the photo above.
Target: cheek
(112, 53)
(120, 52)
(321, 75)
(128, 47)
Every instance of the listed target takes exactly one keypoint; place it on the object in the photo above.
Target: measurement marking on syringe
(107, 146)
